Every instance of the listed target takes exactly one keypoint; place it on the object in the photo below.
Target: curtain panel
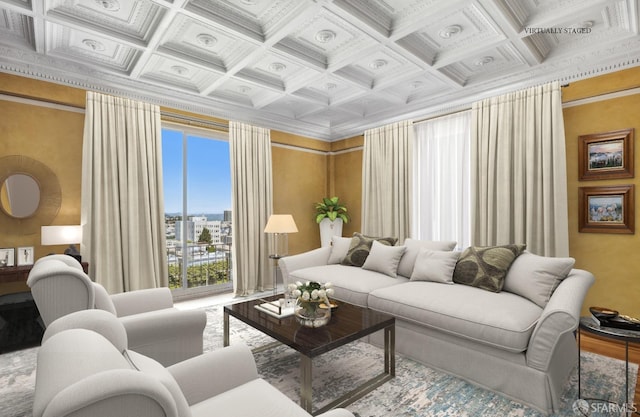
(122, 197)
(442, 195)
(519, 182)
(252, 204)
(387, 180)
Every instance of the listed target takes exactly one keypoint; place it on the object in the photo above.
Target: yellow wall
(612, 258)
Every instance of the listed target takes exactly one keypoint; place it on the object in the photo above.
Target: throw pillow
(435, 266)
(384, 259)
(413, 248)
(485, 266)
(360, 247)
(339, 249)
(536, 277)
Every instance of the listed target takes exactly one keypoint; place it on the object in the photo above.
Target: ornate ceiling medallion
(485, 60)
(377, 64)
(277, 67)
(416, 84)
(325, 36)
(93, 44)
(109, 5)
(450, 31)
(206, 40)
(179, 69)
(330, 86)
(243, 89)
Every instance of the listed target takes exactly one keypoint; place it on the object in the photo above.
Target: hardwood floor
(612, 348)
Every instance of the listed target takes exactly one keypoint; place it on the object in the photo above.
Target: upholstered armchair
(154, 327)
(84, 369)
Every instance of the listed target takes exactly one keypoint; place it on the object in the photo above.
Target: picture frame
(606, 155)
(608, 209)
(7, 257)
(25, 255)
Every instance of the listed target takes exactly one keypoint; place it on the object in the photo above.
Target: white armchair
(154, 327)
(84, 369)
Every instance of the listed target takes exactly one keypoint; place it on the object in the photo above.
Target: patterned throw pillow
(486, 266)
(360, 247)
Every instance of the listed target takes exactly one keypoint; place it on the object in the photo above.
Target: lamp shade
(60, 235)
(281, 223)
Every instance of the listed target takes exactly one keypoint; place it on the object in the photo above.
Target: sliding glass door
(197, 199)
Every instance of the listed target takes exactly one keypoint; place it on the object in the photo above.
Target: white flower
(296, 293)
(298, 284)
(292, 287)
(314, 294)
(322, 294)
(328, 285)
(330, 292)
(306, 296)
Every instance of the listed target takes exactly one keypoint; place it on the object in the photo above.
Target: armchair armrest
(560, 316)
(213, 373)
(315, 257)
(149, 328)
(142, 301)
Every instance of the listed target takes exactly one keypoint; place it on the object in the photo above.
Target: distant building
(196, 224)
(227, 216)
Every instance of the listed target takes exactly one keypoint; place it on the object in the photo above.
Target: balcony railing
(207, 264)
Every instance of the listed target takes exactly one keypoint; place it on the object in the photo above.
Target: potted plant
(330, 215)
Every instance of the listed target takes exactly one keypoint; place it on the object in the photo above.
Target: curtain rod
(192, 121)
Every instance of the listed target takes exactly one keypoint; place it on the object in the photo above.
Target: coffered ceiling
(328, 69)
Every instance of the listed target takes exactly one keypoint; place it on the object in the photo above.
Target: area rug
(415, 391)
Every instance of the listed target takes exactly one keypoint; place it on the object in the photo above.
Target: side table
(588, 324)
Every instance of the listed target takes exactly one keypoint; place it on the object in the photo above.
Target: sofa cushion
(435, 266)
(360, 247)
(502, 320)
(536, 277)
(350, 284)
(485, 266)
(339, 248)
(413, 248)
(384, 259)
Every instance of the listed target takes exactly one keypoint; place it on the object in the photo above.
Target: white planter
(329, 228)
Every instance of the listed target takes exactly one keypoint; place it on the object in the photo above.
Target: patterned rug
(415, 391)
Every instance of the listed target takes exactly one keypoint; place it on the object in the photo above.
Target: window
(197, 200)
(442, 168)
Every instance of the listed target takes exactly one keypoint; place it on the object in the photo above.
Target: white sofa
(85, 369)
(523, 348)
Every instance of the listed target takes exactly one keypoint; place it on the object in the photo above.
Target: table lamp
(63, 235)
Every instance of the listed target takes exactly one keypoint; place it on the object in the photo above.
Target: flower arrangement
(309, 296)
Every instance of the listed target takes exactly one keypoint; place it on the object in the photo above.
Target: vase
(310, 314)
(328, 229)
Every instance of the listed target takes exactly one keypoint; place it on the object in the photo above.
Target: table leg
(626, 373)
(305, 383)
(225, 331)
(579, 397)
(389, 351)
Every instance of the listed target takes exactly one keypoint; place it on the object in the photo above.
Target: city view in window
(197, 198)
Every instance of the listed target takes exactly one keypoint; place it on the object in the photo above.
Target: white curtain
(441, 179)
(122, 200)
(519, 171)
(387, 181)
(252, 204)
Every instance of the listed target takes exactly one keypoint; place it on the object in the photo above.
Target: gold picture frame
(606, 209)
(606, 155)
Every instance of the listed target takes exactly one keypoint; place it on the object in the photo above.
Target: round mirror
(30, 195)
(20, 196)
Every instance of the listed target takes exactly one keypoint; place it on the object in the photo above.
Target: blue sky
(208, 174)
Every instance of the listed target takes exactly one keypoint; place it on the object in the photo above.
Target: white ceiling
(328, 69)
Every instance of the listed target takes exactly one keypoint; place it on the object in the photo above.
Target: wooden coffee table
(348, 324)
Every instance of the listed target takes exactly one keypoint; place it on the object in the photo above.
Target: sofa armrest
(560, 316)
(142, 301)
(128, 391)
(315, 257)
(213, 373)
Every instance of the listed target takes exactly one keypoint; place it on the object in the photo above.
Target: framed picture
(606, 209)
(25, 255)
(606, 155)
(7, 257)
